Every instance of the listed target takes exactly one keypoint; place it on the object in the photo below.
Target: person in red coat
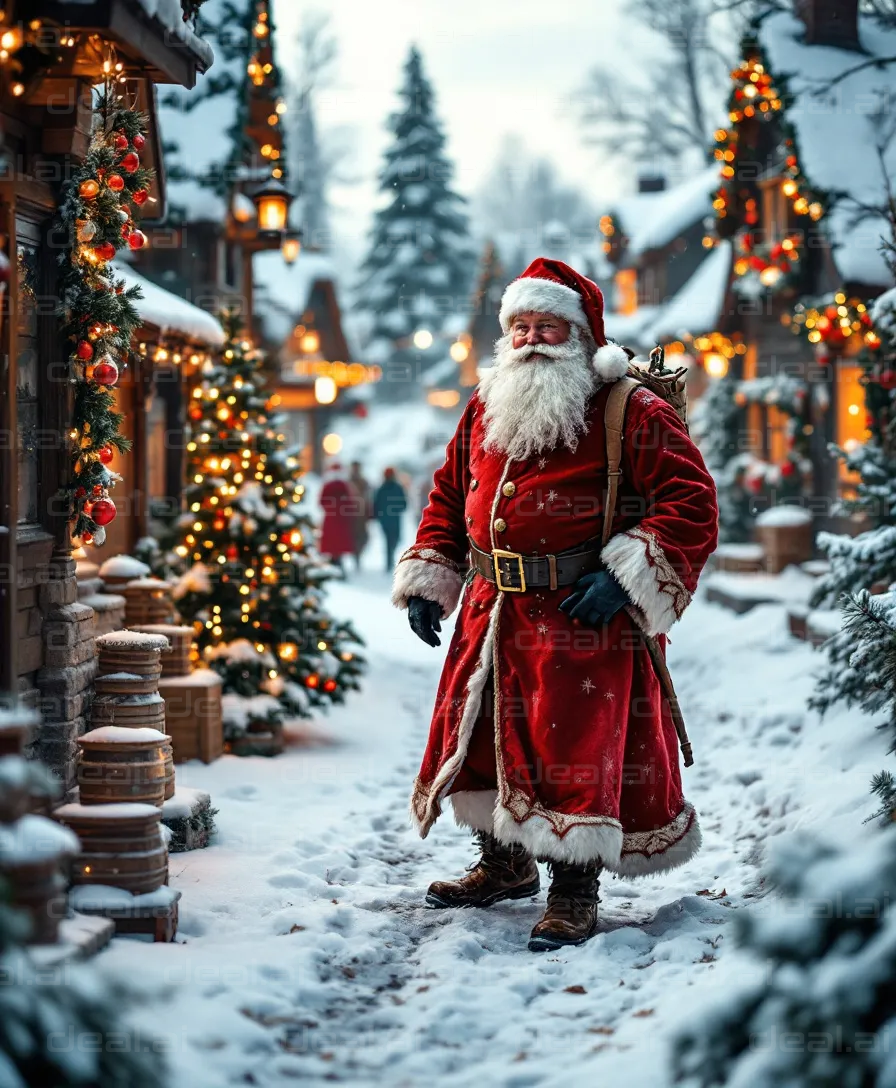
(340, 503)
(550, 736)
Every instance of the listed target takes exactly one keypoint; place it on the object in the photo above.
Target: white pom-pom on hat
(610, 362)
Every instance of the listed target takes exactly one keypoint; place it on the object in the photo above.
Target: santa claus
(551, 736)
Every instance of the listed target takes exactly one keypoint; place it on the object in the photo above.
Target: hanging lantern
(292, 247)
(272, 201)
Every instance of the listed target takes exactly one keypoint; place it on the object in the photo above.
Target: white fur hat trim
(610, 362)
(541, 296)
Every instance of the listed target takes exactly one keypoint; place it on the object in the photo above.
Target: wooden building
(54, 54)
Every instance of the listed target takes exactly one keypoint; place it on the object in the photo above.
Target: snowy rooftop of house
(836, 131)
(169, 313)
(282, 290)
(653, 220)
(630, 329)
(696, 308)
(170, 15)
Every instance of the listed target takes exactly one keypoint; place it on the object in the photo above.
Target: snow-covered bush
(821, 1011)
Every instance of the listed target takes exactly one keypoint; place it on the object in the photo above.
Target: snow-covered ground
(304, 952)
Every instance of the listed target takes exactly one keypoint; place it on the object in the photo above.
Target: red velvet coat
(340, 503)
(586, 751)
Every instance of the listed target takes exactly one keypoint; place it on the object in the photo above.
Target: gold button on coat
(509, 489)
(500, 525)
(474, 484)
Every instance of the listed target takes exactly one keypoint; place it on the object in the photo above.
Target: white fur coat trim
(654, 588)
(423, 820)
(647, 852)
(610, 362)
(581, 843)
(475, 809)
(541, 296)
(432, 580)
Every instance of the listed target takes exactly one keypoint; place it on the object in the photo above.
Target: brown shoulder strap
(614, 420)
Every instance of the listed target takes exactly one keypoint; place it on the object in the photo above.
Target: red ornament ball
(887, 379)
(232, 552)
(140, 196)
(758, 263)
(330, 685)
(103, 511)
(130, 162)
(105, 373)
(312, 681)
(115, 182)
(136, 239)
(106, 454)
(139, 141)
(120, 142)
(754, 484)
(196, 412)
(84, 350)
(105, 251)
(88, 188)
(788, 469)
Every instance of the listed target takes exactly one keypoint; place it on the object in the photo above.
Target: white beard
(532, 405)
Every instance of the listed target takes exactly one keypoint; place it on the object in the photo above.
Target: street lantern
(292, 246)
(272, 200)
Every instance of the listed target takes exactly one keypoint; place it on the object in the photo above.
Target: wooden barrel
(132, 652)
(177, 663)
(127, 683)
(122, 845)
(116, 763)
(38, 888)
(168, 750)
(32, 852)
(128, 710)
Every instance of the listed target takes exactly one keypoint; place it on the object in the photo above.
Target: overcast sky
(498, 67)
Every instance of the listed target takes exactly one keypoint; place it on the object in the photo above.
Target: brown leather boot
(502, 872)
(571, 915)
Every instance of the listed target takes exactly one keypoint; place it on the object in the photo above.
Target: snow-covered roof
(170, 15)
(630, 329)
(169, 313)
(653, 220)
(836, 133)
(696, 308)
(282, 290)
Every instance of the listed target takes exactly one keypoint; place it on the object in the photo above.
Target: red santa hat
(552, 287)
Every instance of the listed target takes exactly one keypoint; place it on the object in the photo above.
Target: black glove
(595, 599)
(424, 617)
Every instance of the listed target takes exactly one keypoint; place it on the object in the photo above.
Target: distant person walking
(364, 510)
(389, 503)
(339, 503)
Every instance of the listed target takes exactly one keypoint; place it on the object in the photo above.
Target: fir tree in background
(819, 1005)
(252, 584)
(417, 271)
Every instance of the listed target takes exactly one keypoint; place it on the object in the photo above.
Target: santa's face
(534, 328)
(536, 394)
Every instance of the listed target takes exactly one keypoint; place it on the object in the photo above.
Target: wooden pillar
(9, 468)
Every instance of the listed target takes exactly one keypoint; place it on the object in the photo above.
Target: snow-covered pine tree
(418, 268)
(252, 580)
(818, 1005)
(869, 559)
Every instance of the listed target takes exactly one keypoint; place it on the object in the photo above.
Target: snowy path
(304, 952)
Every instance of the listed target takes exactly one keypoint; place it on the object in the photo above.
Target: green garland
(98, 212)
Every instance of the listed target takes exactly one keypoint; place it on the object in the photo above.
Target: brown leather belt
(513, 572)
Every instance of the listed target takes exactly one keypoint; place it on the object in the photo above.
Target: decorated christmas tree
(817, 999)
(252, 582)
(418, 268)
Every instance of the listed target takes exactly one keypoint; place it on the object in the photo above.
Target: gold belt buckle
(498, 555)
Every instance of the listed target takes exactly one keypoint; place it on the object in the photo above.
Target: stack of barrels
(34, 851)
(148, 601)
(178, 661)
(125, 769)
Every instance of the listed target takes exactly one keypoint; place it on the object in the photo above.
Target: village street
(304, 951)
